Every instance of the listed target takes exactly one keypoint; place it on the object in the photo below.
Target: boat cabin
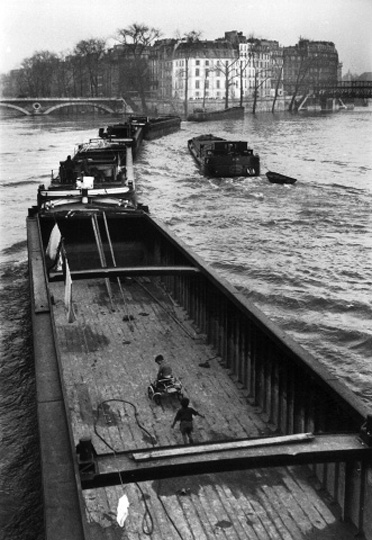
(228, 147)
(116, 131)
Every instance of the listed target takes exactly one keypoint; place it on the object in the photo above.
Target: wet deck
(108, 361)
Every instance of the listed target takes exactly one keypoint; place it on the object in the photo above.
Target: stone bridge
(44, 106)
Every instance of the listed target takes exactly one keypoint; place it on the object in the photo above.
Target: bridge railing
(31, 106)
(352, 89)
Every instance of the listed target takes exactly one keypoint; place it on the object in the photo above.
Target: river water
(301, 253)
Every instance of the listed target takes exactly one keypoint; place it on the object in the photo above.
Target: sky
(29, 26)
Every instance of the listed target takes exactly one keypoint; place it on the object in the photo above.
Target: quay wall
(290, 388)
(177, 107)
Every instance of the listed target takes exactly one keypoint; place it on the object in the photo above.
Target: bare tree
(38, 73)
(90, 52)
(228, 70)
(277, 75)
(301, 83)
(187, 44)
(261, 73)
(137, 40)
(243, 64)
(311, 68)
(63, 77)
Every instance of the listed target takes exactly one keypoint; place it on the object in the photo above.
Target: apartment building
(260, 65)
(309, 64)
(204, 70)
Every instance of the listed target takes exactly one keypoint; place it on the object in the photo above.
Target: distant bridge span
(45, 106)
(345, 90)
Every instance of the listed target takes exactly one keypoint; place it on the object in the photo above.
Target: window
(197, 84)
(207, 62)
(197, 72)
(197, 62)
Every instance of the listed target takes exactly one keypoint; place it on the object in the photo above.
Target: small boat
(220, 157)
(202, 115)
(277, 178)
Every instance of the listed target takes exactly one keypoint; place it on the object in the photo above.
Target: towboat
(277, 178)
(216, 156)
(202, 115)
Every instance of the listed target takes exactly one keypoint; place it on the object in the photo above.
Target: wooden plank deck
(108, 362)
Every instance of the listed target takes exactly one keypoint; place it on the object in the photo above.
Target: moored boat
(155, 127)
(161, 125)
(202, 115)
(220, 157)
(128, 289)
(277, 178)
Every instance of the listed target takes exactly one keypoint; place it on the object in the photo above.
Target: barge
(155, 127)
(99, 168)
(102, 168)
(202, 115)
(279, 429)
(216, 156)
(161, 125)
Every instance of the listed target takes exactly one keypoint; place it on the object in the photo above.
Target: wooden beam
(143, 455)
(95, 273)
(124, 468)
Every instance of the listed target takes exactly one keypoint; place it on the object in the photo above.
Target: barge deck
(108, 361)
(243, 373)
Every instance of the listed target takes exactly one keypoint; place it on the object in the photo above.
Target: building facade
(204, 70)
(244, 67)
(308, 64)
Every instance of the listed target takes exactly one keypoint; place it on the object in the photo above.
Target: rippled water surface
(302, 253)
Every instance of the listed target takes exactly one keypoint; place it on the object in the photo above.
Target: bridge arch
(17, 108)
(82, 103)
